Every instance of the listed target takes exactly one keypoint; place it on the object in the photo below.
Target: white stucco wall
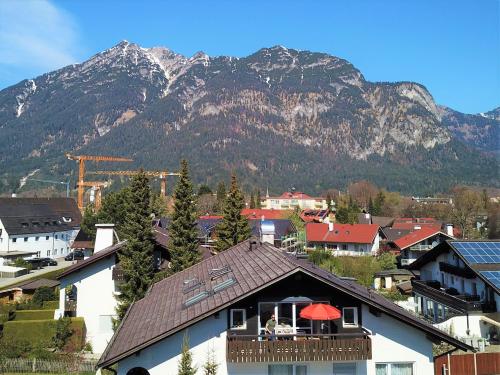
(392, 341)
(96, 301)
(163, 357)
(52, 247)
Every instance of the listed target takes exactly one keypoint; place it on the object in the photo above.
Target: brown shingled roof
(255, 269)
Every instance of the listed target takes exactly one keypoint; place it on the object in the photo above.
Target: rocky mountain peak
(296, 108)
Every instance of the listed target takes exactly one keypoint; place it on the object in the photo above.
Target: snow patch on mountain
(22, 99)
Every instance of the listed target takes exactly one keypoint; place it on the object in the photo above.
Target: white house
(223, 304)
(88, 289)
(43, 227)
(459, 288)
(414, 244)
(294, 199)
(344, 239)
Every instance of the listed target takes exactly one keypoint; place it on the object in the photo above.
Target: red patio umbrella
(320, 311)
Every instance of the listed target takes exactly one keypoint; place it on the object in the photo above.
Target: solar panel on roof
(492, 276)
(479, 252)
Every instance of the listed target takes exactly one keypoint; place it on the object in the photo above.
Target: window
(238, 319)
(48, 253)
(287, 370)
(14, 240)
(474, 289)
(350, 317)
(344, 369)
(25, 239)
(344, 246)
(394, 369)
(37, 238)
(46, 238)
(55, 251)
(452, 280)
(55, 236)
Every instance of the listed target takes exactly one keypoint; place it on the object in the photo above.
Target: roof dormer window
(67, 219)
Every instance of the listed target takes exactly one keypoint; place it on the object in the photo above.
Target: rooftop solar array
(492, 276)
(479, 252)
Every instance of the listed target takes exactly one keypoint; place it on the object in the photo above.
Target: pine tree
(136, 257)
(234, 227)
(211, 366)
(252, 201)
(89, 221)
(183, 244)
(371, 207)
(258, 200)
(114, 209)
(186, 366)
(221, 197)
(378, 203)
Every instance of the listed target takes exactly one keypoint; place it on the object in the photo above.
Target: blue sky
(452, 47)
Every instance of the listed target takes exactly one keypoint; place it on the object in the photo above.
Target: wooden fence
(468, 364)
(23, 365)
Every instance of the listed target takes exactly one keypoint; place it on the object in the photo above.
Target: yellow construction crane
(81, 159)
(161, 174)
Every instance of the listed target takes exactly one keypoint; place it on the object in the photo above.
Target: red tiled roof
(342, 233)
(408, 223)
(417, 236)
(268, 214)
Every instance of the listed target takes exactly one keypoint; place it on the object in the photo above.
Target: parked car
(48, 262)
(74, 255)
(36, 263)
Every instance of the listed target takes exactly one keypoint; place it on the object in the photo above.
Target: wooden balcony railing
(298, 348)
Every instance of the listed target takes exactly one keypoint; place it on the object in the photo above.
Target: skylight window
(224, 285)
(196, 298)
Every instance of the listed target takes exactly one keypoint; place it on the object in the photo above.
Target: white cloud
(36, 35)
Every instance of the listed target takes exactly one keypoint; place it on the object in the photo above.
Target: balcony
(463, 303)
(298, 348)
(454, 270)
(420, 247)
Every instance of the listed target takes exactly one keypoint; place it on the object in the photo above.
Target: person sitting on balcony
(270, 328)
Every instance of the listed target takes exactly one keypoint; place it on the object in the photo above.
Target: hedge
(42, 331)
(51, 305)
(34, 315)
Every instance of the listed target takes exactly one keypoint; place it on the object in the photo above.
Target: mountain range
(278, 118)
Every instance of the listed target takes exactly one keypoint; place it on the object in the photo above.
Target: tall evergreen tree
(252, 201)
(371, 207)
(89, 221)
(183, 244)
(136, 257)
(378, 204)
(258, 203)
(221, 196)
(234, 227)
